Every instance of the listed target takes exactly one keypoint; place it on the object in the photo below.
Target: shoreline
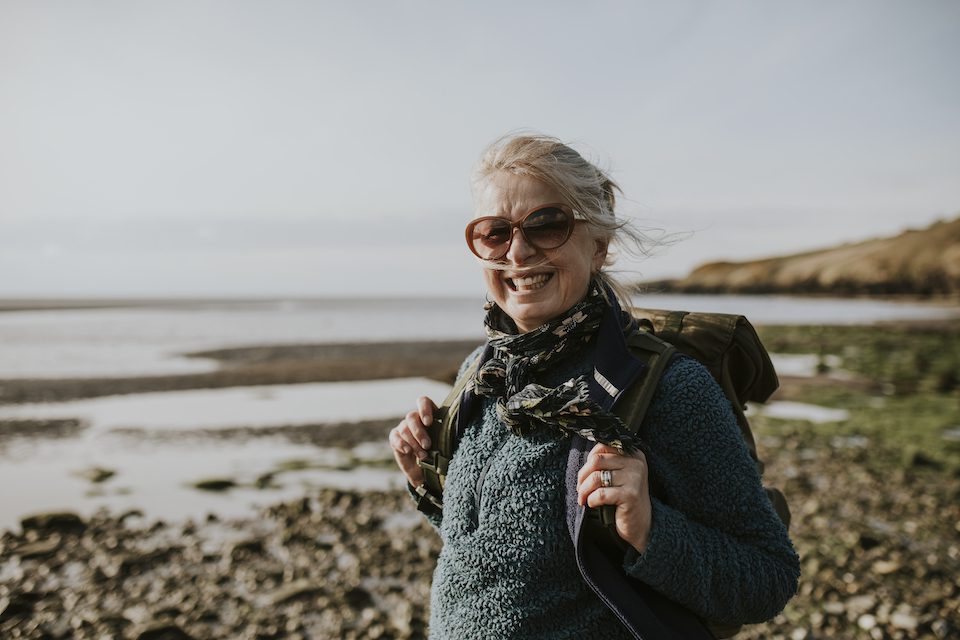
(265, 365)
(187, 302)
(279, 364)
(655, 287)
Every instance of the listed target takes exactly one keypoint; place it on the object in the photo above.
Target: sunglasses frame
(572, 221)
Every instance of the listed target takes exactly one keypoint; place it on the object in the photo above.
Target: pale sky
(324, 148)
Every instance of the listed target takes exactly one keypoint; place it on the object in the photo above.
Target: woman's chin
(529, 314)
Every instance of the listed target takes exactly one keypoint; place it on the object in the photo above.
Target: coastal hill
(924, 262)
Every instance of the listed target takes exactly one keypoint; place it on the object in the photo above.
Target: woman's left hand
(628, 491)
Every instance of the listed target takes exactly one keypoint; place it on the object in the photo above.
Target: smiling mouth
(528, 283)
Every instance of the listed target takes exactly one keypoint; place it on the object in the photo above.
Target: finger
(397, 442)
(590, 483)
(410, 469)
(426, 407)
(605, 448)
(417, 428)
(627, 479)
(413, 443)
(408, 465)
(606, 495)
(603, 459)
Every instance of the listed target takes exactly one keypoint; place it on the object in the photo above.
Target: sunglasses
(546, 227)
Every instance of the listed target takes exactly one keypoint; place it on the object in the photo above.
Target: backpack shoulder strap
(442, 444)
(632, 406)
(655, 354)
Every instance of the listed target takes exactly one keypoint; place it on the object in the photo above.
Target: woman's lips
(528, 282)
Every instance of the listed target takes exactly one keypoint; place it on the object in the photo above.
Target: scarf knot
(525, 406)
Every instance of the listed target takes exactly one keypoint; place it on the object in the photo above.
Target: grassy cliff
(924, 262)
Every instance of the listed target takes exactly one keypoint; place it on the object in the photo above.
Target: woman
(541, 443)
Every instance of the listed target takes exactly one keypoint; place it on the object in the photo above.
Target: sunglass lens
(547, 228)
(489, 237)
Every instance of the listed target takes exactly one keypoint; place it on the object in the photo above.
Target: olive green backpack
(727, 345)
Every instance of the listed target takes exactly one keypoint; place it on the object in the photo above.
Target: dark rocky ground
(880, 554)
(335, 565)
(879, 546)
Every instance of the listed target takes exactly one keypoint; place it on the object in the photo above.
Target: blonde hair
(584, 187)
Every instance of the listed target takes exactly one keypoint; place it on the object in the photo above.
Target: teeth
(529, 283)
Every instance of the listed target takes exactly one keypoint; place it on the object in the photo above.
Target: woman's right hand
(410, 440)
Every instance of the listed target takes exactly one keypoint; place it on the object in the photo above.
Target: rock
(401, 616)
(265, 480)
(215, 484)
(860, 604)
(913, 457)
(868, 542)
(358, 598)
(40, 548)
(130, 513)
(60, 521)
(137, 562)
(866, 622)
(941, 628)
(18, 604)
(299, 590)
(904, 621)
(96, 474)
(246, 548)
(326, 541)
(885, 567)
(167, 612)
(164, 631)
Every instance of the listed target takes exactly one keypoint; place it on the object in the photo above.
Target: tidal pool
(264, 405)
(158, 479)
(785, 410)
(156, 475)
(803, 365)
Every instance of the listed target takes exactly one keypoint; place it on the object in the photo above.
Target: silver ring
(606, 478)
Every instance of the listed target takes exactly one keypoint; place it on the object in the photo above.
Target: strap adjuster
(436, 465)
(421, 490)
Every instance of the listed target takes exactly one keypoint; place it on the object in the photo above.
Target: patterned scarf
(525, 406)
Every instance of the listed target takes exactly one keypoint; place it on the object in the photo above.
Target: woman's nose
(520, 250)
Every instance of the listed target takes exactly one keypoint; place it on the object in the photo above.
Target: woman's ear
(600, 255)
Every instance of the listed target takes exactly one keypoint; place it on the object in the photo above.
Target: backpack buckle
(436, 467)
(427, 498)
(434, 477)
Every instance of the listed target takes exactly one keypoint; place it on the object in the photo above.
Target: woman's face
(536, 286)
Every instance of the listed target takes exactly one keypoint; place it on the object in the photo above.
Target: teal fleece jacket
(508, 568)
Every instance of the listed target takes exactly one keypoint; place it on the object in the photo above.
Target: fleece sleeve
(716, 544)
(436, 518)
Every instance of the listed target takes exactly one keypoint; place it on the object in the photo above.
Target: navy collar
(615, 368)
